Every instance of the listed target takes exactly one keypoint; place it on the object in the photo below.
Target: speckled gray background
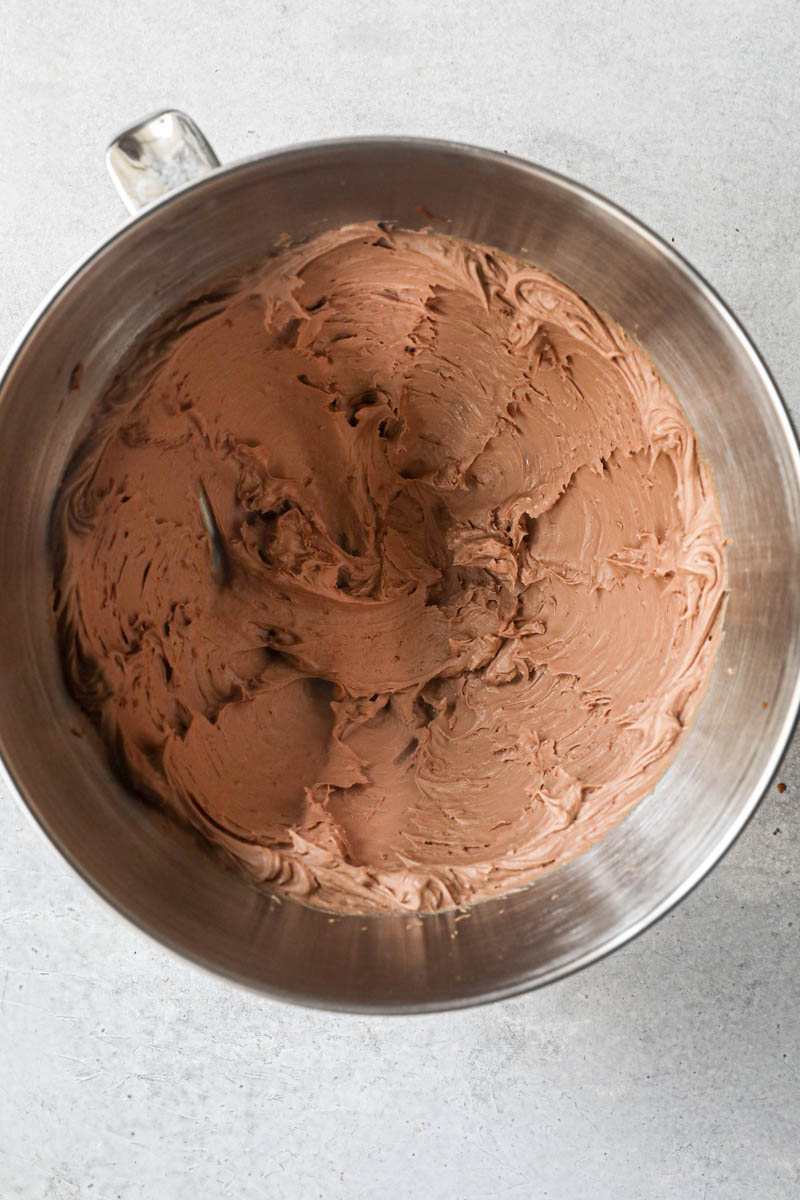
(667, 1071)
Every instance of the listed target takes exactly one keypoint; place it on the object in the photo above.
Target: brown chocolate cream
(476, 567)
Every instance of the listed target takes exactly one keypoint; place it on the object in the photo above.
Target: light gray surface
(670, 1070)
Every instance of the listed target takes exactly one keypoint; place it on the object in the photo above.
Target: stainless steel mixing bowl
(234, 215)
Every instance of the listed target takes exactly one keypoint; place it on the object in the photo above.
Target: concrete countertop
(670, 1070)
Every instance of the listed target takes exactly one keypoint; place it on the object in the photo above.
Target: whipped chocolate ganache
(475, 568)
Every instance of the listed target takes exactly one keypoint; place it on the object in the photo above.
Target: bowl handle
(158, 154)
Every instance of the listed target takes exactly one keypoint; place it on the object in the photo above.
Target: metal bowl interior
(565, 919)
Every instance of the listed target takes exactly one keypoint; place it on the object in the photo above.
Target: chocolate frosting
(475, 569)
